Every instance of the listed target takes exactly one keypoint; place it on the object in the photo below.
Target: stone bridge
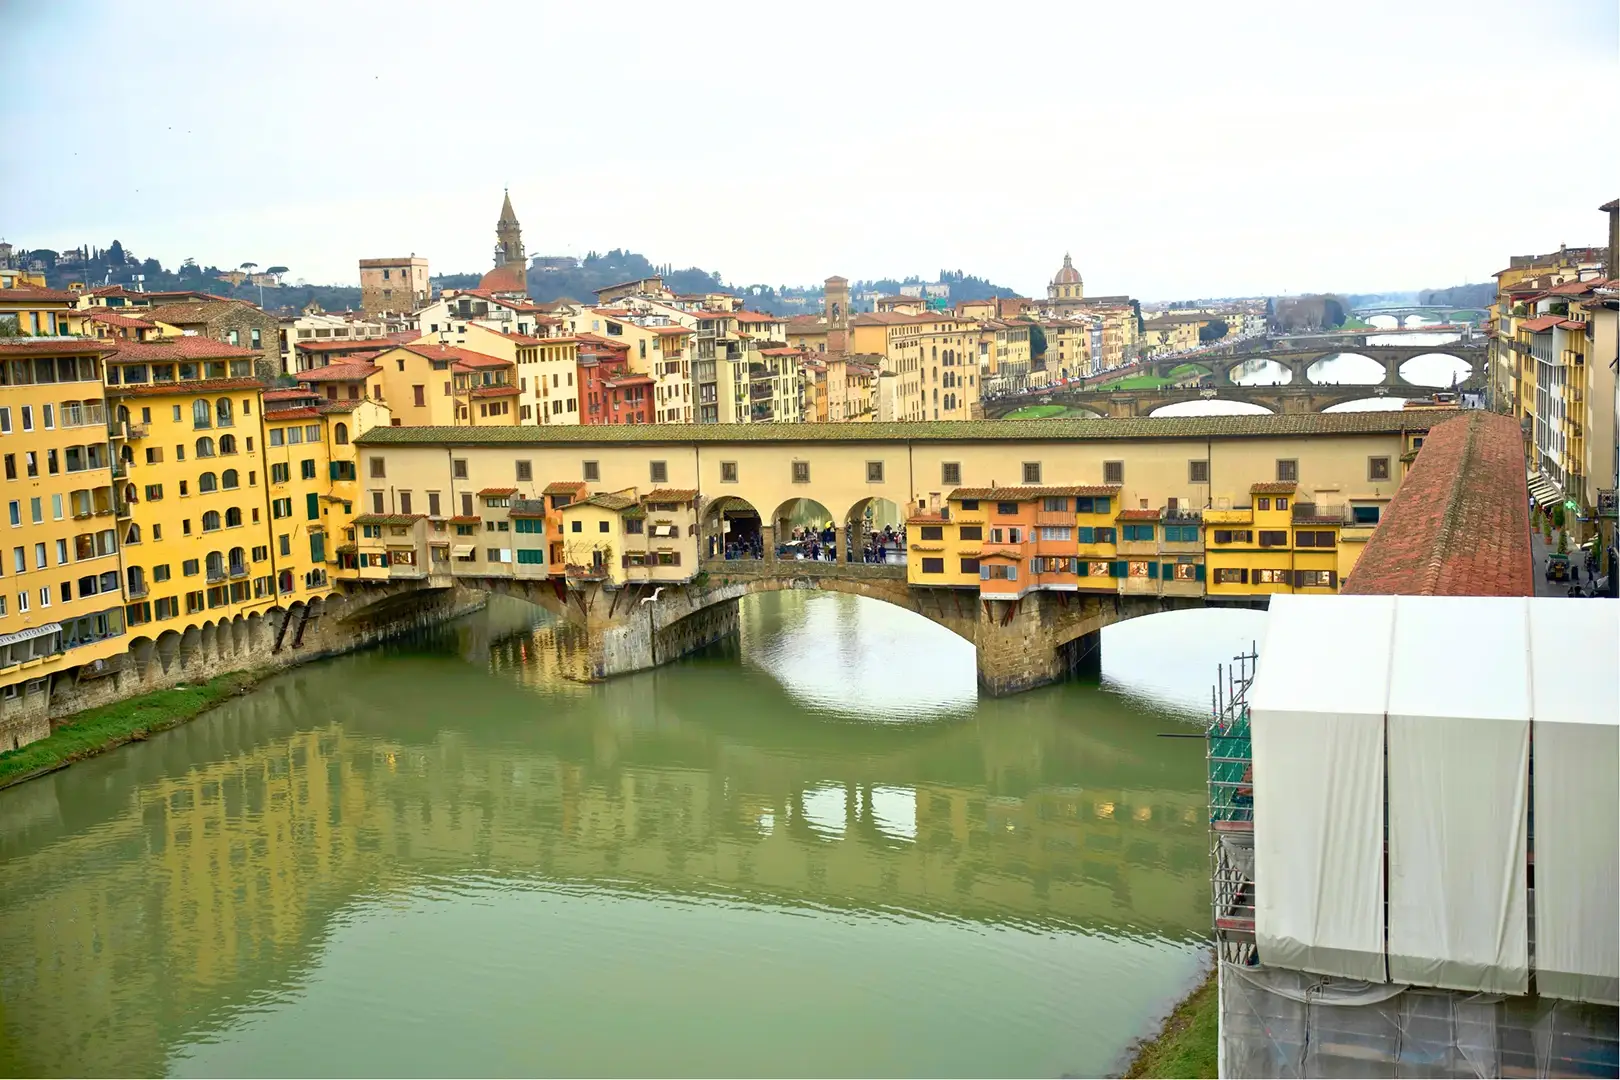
(1036, 639)
(1278, 399)
(1298, 361)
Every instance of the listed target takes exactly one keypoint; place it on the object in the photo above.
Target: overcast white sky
(1177, 149)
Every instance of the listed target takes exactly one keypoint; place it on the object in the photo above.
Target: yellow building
(1004, 356)
(1068, 349)
(197, 548)
(620, 538)
(62, 605)
(431, 384)
(36, 311)
(1172, 333)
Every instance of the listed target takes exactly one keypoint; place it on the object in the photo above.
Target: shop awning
(30, 633)
(1546, 493)
(462, 551)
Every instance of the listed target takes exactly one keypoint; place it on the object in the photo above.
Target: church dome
(504, 279)
(1067, 274)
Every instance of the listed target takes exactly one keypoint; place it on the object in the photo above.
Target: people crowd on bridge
(808, 542)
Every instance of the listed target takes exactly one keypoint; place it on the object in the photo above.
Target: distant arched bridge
(1277, 399)
(1299, 361)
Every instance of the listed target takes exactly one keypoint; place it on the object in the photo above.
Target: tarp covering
(1576, 704)
(1319, 827)
(1459, 681)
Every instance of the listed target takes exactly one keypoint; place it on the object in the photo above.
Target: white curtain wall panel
(1459, 762)
(1575, 694)
(1317, 725)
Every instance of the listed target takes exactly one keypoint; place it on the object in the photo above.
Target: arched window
(205, 447)
(211, 521)
(286, 581)
(216, 565)
(207, 482)
(133, 536)
(127, 454)
(202, 413)
(228, 479)
(238, 561)
(227, 444)
(340, 433)
(222, 412)
(130, 494)
(233, 518)
(123, 414)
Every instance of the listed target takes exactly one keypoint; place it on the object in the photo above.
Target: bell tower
(508, 237)
(835, 303)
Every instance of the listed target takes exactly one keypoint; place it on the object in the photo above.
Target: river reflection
(811, 850)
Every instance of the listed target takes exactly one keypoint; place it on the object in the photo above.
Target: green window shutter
(1198, 572)
(1085, 568)
(332, 470)
(1086, 534)
(317, 547)
(1100, 506)
(1153, 569)
(1119, 569)
(312, 504)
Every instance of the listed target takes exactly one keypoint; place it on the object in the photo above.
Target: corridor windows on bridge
(1198, 472)
(1113, 473)
(950, 473)
(377, 503)
(658, 472)
(379, 468)
(801, 472)
(1287, 471)
(1378, 468)
(458, 467)
(1032, 472)
(874, 472)
(728, 472)
(524, 470)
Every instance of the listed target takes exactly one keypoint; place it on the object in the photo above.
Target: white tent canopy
(1576, 702)
(1411, 718)
(1318, 744)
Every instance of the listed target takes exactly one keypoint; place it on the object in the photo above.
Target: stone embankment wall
(262, 644)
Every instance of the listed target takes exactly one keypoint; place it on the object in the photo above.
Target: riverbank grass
(1037, 412)
(97, 730)
(1186, 1046)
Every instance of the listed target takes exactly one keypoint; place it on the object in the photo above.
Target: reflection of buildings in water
(217, 882)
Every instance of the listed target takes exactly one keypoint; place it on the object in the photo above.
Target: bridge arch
(1438, 368)
(869, 515)
(810, 515)
(1358, 369)
(732, 528)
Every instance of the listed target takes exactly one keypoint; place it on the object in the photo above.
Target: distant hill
(1471, 296)
(552, 279)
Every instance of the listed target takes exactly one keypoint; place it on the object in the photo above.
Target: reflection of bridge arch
(1275, 399)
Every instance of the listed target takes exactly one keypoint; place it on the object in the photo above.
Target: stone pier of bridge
(1038, 638)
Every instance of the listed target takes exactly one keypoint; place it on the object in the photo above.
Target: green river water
(810, 851)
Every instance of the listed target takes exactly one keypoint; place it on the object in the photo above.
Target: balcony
(217, 575)
(83, 416)
(1054, 517)
(1180, 515)
(1305, 513)
(1242, 515)
(136, 590)
(238, 571)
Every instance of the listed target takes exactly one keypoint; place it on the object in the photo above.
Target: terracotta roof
(287, 393)
(350, 372)
(671, 495)
(494, 391)
(506, 279)
(35, 293)
(57, 346)
(468, 520)
(1024, 493)
(605, 500)
(200, 386)
(627, 380)
(192, 347)
(112, 318)
(198, 311)
(389, 519)
(598, 339)
(497, 491)
(1061, 433)
(1273, 487)
(927, 517)
(784, 351)
(299, 412)
(1538, 325)
(669, 329)
(1137, 515)
(453, 354)
(564, 487)
(1460, 523)
(336, 405)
